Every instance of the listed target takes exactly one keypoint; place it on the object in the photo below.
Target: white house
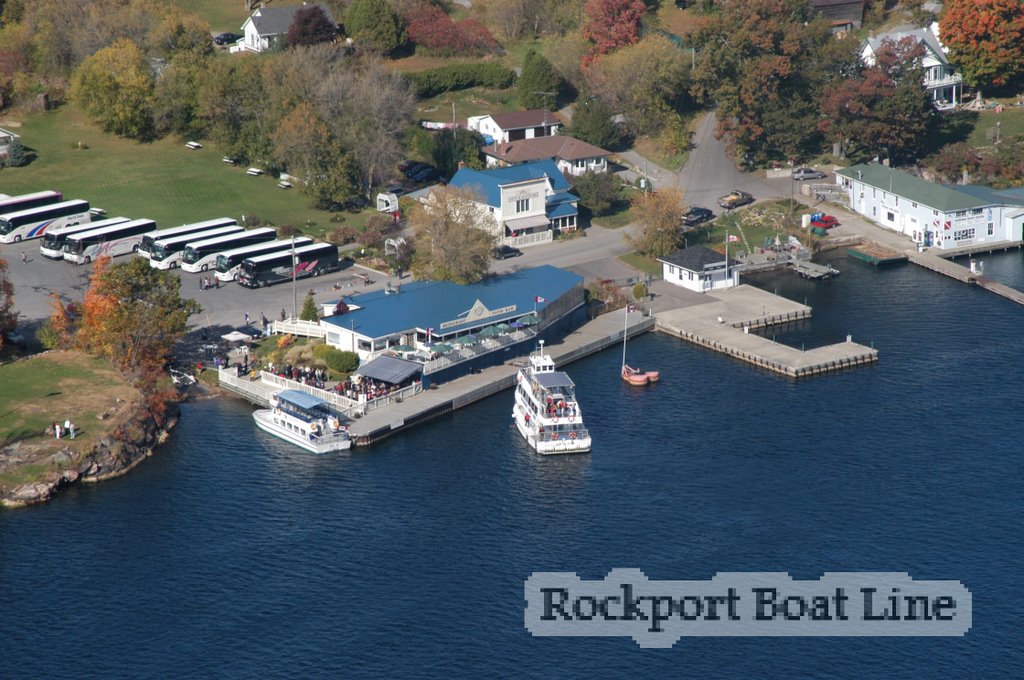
(267, 27)
(527, 204)
(572, 156)
(941, 79)
(699, 269)
(514, 125)
(934, 215)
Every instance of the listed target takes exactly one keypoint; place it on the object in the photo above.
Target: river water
(232, 554)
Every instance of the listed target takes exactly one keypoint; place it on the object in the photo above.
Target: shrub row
(433, 82)
(336, 359)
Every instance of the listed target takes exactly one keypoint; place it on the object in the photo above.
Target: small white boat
(546, 412)
(304, 420)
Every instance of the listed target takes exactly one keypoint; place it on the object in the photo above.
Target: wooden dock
(875, 254)
(812, 270)
(957, 271)
(724, 326)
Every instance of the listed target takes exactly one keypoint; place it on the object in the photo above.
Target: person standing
(247, 318)
(71, 429)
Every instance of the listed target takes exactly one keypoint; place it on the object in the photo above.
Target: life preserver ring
(572, 435)
(554, 436)
(572, 419)
(554, 419)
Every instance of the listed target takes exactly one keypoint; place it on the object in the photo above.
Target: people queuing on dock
(316, 377)
(359, 388)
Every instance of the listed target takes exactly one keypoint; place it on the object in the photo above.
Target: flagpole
(726, 261)
(295, 298)
(625, 320)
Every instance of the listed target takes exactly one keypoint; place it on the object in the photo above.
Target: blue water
(230, 554)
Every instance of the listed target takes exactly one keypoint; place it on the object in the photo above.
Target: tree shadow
(950, 128)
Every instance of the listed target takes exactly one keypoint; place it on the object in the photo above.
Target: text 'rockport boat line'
(546, 412)
(303, 420)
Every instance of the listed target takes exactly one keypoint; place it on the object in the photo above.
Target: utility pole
(295, 295)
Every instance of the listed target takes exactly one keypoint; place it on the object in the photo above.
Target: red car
(825, 222)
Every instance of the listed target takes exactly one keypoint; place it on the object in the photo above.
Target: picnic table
(284, 184)
(195, 146)
(255, 172)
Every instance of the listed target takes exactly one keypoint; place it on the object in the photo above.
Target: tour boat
(634, 376)
(546, 412)
(304, 420)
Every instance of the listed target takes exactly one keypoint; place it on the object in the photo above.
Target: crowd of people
(58, 430)
(316, 377)
(359, 388)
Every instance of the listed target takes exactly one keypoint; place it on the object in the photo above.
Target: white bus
(34, 222)
(54, 239)
(119, 239)
(25, 201)
(149, 239)
(202, 255)
(166, 253)
(228, 263)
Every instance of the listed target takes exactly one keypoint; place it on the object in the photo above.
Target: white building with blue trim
(528, 204)
(943, 216)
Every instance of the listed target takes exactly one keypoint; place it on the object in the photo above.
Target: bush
(598, 191)
(433, 82)
(433, 30)
(336, 359)
(640, 291)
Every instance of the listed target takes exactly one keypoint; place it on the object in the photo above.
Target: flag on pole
(538, 298)
(630, 309)
(733, 238)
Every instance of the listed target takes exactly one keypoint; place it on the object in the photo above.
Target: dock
(812, 270)
(725, 324)
(946, 267)
(875, 254)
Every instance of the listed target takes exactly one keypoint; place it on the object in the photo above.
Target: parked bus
(230, 262)
(166, 253)
(26, 201)
(311, 260)
(146, 248)
(202, 255)
(118, 239)
(34, 222)
(54, 239)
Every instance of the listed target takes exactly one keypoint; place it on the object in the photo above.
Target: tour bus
(26, 201)
(118, 239)
(167, 252)
(230, 262)
(149, 239)
(34, 222)
(311, 260)
(54, 239)
(202, 255)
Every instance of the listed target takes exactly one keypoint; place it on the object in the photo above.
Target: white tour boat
(304, 420)
(546, 411)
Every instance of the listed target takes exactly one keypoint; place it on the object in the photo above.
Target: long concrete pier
(725, 325)
(954, 270)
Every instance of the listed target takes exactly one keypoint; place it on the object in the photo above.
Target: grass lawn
(657, 149)
(752, 225)
(674, 20)
(162, 180)
(222, 15)
(475, 101)
(621, 214)
(1011, 124)
(648, 265)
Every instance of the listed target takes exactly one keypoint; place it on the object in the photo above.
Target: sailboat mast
(625, 320)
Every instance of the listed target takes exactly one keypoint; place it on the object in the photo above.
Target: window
(991, 229)
(897, 201)
(522, 205)
(963, 234)
(935, 212)
(913, 204)
(889, 216)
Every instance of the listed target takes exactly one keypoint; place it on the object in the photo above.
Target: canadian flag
(733, 238)
(537, 298)
(630, 309)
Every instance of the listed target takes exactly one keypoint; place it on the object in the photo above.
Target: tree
(133, 315)
(309, 309)
(115, 89)
(305, 146)
(176, 97)
(598, 191)
(373, 25)
(16, 155)
(453, 237)
(448, 148)
(592, 122)
(538, 85)
(8, 317)
(611, 24)
(985, 39)
(310, 26)
(658, 213)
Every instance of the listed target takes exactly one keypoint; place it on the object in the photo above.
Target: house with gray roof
(943, 216)
(267, 27)
(943, 82)
(699, 269)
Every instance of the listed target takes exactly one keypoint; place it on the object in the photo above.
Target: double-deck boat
(304, 420)
(546, 412)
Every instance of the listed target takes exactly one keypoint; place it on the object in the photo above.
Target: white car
(808, 173)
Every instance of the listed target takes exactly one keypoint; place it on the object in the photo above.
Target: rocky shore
(131, 440)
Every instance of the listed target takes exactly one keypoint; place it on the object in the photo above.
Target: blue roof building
(432, 318)
(529, 203)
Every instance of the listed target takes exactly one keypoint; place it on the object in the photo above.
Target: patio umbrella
(503, 327)
(518, 324)
(465, 340)
(489, 332)
(403, 348)
(529, 319)
(442, 347)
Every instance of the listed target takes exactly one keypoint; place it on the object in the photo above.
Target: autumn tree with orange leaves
(611, 24)
(985, 39)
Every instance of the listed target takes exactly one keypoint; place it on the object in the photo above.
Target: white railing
(943, 81)
(280, 383)
(545, 236)
(486, 346)
(252, 389)
(308, 329)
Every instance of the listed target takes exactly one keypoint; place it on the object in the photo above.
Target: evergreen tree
(449, 148)
(373, 25)
(309, 311)
(539, 85)
(592, 122)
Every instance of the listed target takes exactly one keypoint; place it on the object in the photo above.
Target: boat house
(700, 269)
(452, 330)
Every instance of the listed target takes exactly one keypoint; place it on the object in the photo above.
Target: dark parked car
(227, 38)
(503, 252)
(15, 339)
(425, 175)
(697, 215)
(415, 168)
(735, 199)
(808, 173)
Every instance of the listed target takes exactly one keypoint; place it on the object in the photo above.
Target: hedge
(434, 81)
(336, 359)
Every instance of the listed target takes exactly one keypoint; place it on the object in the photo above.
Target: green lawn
(475, 101)
(222, 15)
(1011, 124)
(162, 180)
(648, 265)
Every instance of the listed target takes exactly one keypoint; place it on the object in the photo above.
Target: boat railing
(562, 436)
(326, 442)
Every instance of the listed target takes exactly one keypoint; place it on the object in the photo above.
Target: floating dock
(876, 254)
(812, 270)
(725, 324)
